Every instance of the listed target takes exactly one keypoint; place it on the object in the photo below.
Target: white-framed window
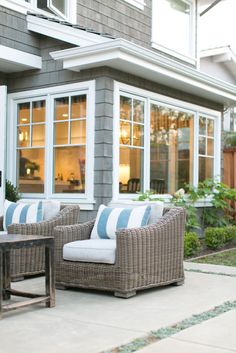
(63, 9)
(161, 143)
(173, 28)
(137, 3)
(51, 149)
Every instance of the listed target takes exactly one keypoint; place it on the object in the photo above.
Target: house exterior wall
(118, 18)
(53, 74)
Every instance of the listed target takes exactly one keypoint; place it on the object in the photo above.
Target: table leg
(6, 282)
(1, 291)
(49, 275)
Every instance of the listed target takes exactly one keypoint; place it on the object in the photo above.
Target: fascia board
(12, 55)
(146, 60)
(64, 33)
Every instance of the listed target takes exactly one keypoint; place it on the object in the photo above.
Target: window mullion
(196, 150)
(49, 143)
(147, 117)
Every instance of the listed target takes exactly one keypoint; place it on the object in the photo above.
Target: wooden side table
(16, 241)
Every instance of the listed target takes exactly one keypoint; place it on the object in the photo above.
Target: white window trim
(3, 119)
(88, 87)
(192, 40)
(137, 3)
(23, 7)
(196, 110)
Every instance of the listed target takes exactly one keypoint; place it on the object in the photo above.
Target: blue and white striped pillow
(21, 213)
(110, 219)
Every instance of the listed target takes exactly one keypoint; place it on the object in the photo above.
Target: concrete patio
(93, 322)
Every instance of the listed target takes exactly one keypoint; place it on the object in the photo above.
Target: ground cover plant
(226, 258)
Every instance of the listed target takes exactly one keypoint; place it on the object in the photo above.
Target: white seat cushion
(92, 250)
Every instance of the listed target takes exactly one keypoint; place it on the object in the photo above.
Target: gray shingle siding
(14, 33)
(118, 18)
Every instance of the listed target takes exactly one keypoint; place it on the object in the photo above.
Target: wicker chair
(25, 262)
(146, 257)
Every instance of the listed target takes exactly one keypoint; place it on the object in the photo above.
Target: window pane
(38, 135)
(78, 132)
(78, 107)
(125, 133)
(38, 114)
(69, 169)
(205, 168)
(202, 145)
(172, 25)
(61, 108)
(138, 135)
(24, 113)
(125, 108)
(202, 126)
(31, 170)
(171, 149)
(210, 147)
(210, 127)
(130, 170)
(61, 133)
(24, 136)
(138, 111)
(60, 5)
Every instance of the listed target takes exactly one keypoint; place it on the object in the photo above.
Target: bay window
(54, 156)
(171, 148)
(163, 143)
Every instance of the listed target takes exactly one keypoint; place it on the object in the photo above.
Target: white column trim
(3, 116)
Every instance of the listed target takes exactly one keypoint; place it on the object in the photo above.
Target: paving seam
(158, 335)
(210, 272)
(203, 344)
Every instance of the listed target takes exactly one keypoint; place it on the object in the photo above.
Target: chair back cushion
(21, 213)
(50, 209)
(157, 207)
(110, 219)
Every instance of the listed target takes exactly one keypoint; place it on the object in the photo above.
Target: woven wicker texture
(31, 261)
(145, 257)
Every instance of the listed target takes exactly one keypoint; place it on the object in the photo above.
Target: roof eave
(129, 57)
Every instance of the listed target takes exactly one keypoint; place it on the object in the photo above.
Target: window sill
(137, 3)
(165, 198)
(170, 52)
(85, 204)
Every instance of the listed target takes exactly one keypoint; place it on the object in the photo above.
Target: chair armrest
(68, 215)
(1, 223)
(67, 234)
(146, 248)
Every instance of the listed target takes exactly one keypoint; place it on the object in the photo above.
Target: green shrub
(11, 192)
(230, 233)
(215, 237)
(191, 244)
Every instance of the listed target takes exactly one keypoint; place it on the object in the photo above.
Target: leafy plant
(191, 244)
(214, 237)
(179, 200)
(11, 192)
(148, 195)
(220, 196)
